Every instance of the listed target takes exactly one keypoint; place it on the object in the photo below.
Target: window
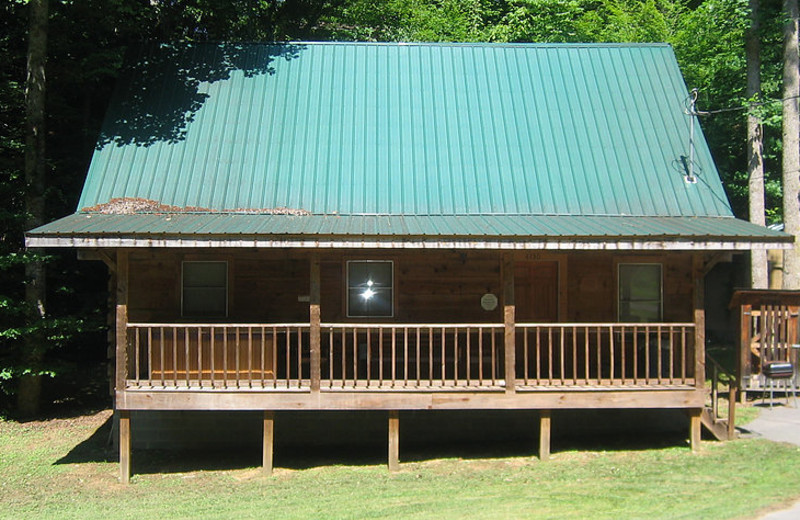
(640, 293)
(369, 289)
(205, 289)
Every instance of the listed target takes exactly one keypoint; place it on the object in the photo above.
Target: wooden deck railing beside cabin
(218, 356)
(409, 356)
(588, 354)
(412, 356)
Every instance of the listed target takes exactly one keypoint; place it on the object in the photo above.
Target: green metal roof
(405, 129)
(447, 231)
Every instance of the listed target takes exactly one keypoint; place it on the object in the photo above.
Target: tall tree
(28, 393)
(755, 146)
(791, 144)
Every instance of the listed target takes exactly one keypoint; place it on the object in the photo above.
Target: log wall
(430, 287)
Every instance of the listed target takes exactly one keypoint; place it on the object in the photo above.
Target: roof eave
(621, 243)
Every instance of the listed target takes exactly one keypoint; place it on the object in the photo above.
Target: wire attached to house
(688, 163)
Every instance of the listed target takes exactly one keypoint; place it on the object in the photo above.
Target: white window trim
(227, 286)
(347, 287)
(660, 287)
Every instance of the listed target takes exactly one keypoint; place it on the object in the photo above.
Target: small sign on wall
(488, 302)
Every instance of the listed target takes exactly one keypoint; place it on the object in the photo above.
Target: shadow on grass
(360, 450)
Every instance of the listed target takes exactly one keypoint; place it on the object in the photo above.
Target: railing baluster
(647, 355)
(455, 356)
(250, 357)
(480, 355)
(211, 354)
(635, 355)
(369, 358)
(612, 357)
(658, 352)
(622, 348)
(549, 355)
(574, 355)
(538, 355)
(187, 341)
(469, 356)
(237, 356)
(150, 356)
(494, 357)
(671, 355)
(263, 356)
(355, 354)
(587, 359)
(419, 356)
(394, 355)
(442, 363)
(405, 356)
(599, 348)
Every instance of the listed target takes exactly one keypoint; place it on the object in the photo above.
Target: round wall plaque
(489, 302)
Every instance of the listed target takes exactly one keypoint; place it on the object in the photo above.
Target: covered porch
(491, 354)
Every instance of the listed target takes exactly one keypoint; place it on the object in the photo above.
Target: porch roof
(376, 231)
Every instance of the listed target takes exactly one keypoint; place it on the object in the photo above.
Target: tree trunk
(29, 390)
(791, 146)
(755, 157)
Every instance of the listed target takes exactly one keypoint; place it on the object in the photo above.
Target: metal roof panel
(405, 129)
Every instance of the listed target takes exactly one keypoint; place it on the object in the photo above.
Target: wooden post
(125, 446)
(695, 428)
(743, 356)
(699, 323)
(121, 366)
(269, 440)
(544, 434)
(122, 322)
(509, 317)
(314, 332)
(394, 440)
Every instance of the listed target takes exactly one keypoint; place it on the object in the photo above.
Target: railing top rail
(639, 325)
(218, 325)
(411, 325)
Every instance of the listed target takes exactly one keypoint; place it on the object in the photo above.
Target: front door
(536, 291)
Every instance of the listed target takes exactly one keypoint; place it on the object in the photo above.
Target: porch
(520, 342)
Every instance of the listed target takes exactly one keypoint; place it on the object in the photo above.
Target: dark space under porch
(452, 433)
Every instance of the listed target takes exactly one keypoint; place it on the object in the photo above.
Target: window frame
(660, 266)
(184, 314)
(348, 287)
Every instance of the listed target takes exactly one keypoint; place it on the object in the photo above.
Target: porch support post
(394, 440)
(314, 333)
(122, 321)
(695, 428)
(544, 434)
(269, 439)
(509, 311)
(125, 446)
(699, 322)
(121, 366)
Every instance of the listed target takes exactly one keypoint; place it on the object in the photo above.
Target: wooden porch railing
(411, 355)
(408, 356)
(587, 354)
(218, 356)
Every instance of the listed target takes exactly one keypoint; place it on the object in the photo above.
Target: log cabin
(390, 227)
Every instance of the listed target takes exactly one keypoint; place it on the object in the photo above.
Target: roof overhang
(526, 232)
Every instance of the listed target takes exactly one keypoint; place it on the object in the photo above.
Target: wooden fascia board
(567, 244)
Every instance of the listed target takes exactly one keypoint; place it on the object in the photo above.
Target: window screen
(369, 289)
(205, 289)
(640, 293)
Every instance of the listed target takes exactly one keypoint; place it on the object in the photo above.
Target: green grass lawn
(58, 469)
